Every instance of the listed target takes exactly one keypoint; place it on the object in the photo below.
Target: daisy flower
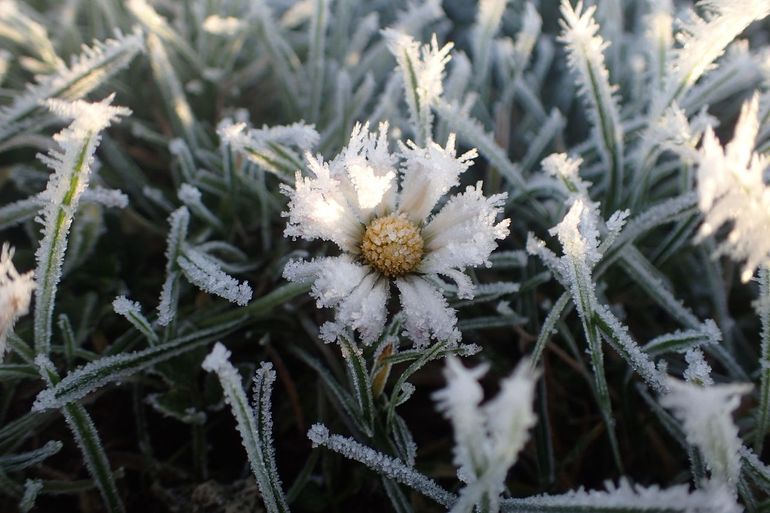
(15, 292)
(385, 213)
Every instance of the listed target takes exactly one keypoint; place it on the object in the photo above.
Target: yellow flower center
(392, 245)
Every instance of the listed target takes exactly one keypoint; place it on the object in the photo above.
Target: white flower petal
(371, 170)
(334, 278)
(363, 309)
(15, 293)
(318, 209)
(429, 173)
(426, 312)
(464, 232)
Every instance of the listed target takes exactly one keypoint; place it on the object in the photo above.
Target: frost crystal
(15, 294)
(731, 188)
(488, 438)
(706, 416)
(391, 235)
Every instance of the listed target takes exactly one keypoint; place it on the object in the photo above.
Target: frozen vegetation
(338, 255)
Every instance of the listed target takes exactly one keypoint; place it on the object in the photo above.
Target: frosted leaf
(18, 25)
(706, 416)
(86, 72)
(381, 463)
(702, 41)
(488, 438)
(489, 17)
(191, 197)
(257, 441)
(170, 85)
(223, 25)
(659, 38)
(630, 350)
(683, 340)
(698, 371)
(110, 198)
(527, 37)
(268, 147)
(731, 188)
(116, 368)
(586, 58)
(566, 170)
(626, 496)
(71, 166)
(459, 402)
(203, 272)
(167, 303)
(578, 233)
(15, 294)
(423, 73)
(32, 488)
(427, 314)
(178, 221)
(217, 360)
(132, 311)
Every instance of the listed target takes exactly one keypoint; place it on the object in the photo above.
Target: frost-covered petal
(334, 278)
(15, 294)
(426, 312)
(371, 169)
(429, 173)
(318, 209)
(363, 309)
(465, 231)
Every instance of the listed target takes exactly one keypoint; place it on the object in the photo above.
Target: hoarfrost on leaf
(706, 416)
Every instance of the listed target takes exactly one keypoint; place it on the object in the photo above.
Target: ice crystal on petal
(464, 232)
(427, 312)
(318, 208)
(428, 174)
(15, 294)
